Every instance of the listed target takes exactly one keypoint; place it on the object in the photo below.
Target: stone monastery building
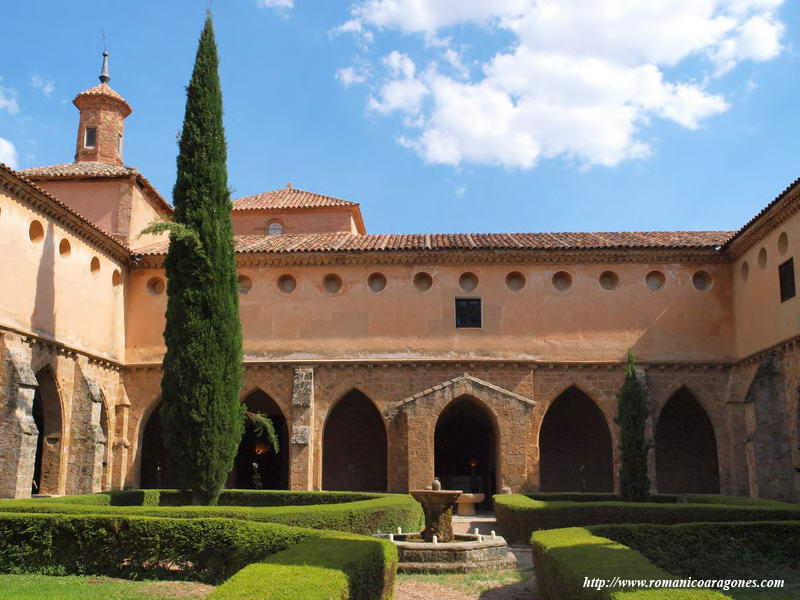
(489, 360)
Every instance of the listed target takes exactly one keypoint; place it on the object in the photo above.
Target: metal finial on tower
(104, 76)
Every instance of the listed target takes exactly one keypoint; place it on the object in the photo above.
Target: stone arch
(354, 446)
(575, 449)
(466, 443)
(686, 447)
(273, 469)
(48, 414)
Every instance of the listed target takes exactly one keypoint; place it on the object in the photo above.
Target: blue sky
(442, 115)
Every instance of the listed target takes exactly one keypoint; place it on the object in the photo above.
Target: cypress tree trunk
(202, 371)
(632, 417)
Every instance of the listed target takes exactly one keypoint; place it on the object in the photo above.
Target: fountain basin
(461, 555)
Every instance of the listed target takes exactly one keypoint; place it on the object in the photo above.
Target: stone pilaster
(18, 433)
(121, 445)
(301, 453)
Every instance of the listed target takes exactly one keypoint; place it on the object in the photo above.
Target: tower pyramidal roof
(104, 91)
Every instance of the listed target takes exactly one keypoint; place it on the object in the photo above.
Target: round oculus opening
(655, 280)
(609, 280)
(745, 270)
(468, 281)
(762, 258)
(286, 283)
(515, 281)
(376, 282)
(245, 284)
(783, 243)
(562, 281)
(423, 282)
(94, 265)
(155, 286)
(64, 247)
(116, 278)
(332, 283)
(36, 231)
(701, 280)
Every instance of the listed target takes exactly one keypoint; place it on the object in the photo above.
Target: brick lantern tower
(102, 122)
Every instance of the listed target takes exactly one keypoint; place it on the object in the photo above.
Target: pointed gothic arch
(465, 448)
(354, 452)
(255, 452)
(686, 447)
(152, 466)
(48, 416)
(575, 453)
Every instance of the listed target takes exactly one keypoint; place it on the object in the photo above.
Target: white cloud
(351, 75)
(581, 80)
(46, 86)
(8, 100)
(8, 153)
(287, 4)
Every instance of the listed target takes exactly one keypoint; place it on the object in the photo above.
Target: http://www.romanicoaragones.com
(714, 584)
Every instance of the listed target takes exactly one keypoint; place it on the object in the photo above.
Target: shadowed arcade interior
(255, 451)
(354, 446)
(575, 446)
(47, 416)
(464, 443)
(686, 448)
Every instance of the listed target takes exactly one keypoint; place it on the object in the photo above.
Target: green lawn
(43, 587)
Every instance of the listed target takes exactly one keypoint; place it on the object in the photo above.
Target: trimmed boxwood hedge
(519, 515)
(564, 558)
(325, 568)
(209, 550)
(140, 533)
(383, 512)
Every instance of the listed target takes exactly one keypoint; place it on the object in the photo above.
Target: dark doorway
(354, 446)
(575, 446)
(255, 453)
(686, 448)
(47, 416)
(153, 472)
(464, 455)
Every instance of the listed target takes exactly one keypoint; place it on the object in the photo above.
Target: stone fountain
(437, 549)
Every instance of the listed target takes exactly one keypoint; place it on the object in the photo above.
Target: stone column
(769, 456)
(121, 443)
(301, 447)
(18, 433)
(649, 434)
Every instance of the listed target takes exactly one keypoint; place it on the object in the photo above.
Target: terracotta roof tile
(104, 89)
(348, 242)
(91, 170)
(288, 198)
(81, 169)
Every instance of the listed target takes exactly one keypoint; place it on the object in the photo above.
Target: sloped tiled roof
(92, 170)
(764, 210)
(65, 207)
(81, 169)
(288, 197)
(348, 242)
(104, 89)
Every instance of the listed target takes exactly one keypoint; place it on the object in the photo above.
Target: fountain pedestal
(438, 508)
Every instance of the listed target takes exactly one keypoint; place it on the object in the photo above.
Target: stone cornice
(64, 349)
(466, 257)
(27, 193)
(786, 206)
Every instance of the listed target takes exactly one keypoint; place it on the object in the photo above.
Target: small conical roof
(104, 90)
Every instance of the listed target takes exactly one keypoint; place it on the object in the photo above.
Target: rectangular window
(468, 312)
(90, 139)
(786, 275)
(119, 144)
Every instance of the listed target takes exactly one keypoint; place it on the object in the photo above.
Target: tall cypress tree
(201, 414)
(631, 418)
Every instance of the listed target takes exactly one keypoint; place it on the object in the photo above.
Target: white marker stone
(435, 540)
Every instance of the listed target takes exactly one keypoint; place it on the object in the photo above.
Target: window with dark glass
(786, 275)
(468, 312)
(91, 137)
